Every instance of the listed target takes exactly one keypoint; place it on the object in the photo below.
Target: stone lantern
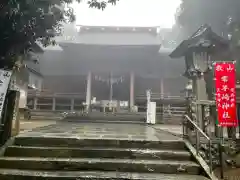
(199, 52)
(188, 89)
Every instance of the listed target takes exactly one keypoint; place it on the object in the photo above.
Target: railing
(172, 111)
(52, 94)
(200, 139)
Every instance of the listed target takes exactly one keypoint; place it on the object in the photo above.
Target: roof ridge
(105, 26)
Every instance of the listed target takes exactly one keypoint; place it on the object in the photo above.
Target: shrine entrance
(110, 92)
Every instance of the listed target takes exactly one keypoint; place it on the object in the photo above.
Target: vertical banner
(225, 85)
(5, 77)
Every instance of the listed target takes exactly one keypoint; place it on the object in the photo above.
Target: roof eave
(64, 45)
(34, 71)
(180, 50)
(195, 39)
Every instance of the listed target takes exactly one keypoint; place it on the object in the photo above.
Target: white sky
(129, 13)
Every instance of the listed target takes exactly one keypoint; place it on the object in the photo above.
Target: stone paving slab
(22, 175)
(99, 131)
(27, 125)
(102, 164)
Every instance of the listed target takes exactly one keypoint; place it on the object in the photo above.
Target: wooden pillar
(162, 87)
(72, 104)
(132, 95)
(162, 97)
(89, 91)
(54, 104)
(35, 102)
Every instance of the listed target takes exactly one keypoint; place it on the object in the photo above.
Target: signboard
(151, 113)
(225, 84)
(123, 103)
(5, 77)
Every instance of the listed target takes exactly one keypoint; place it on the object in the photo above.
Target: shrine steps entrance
(81, 151)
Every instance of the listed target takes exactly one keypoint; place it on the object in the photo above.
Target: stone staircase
(37, 158)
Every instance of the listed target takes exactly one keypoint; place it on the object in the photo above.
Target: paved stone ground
(172, 129)
(100, 131)
(27, 125)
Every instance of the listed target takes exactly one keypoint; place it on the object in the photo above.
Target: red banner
(225, 83)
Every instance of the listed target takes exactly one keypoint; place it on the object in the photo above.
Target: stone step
(11, 174)
(74, 142)
(46, 114)
(125, 114)
(87, 164)
(106, 118)
(45, 118)
(43, 114)
(120, 153)
(115, 121)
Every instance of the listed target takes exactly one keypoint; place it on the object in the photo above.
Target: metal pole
(221, 153)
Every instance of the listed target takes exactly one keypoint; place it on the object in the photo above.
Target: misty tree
(224, 18)
(222, 15)
(23, 22)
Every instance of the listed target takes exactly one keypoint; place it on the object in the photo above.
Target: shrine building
(108, 64)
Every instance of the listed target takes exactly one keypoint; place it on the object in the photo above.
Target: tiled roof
(79, 59)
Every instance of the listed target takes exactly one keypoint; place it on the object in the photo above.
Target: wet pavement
(100, 131)
(27, 125)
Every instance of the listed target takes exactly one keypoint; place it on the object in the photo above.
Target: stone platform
(99, 131)
(98, 151)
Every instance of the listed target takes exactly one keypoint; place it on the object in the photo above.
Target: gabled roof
(204, 37)
(78, 59)
(108, 35)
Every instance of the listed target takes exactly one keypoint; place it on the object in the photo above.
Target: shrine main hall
(103, 64)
